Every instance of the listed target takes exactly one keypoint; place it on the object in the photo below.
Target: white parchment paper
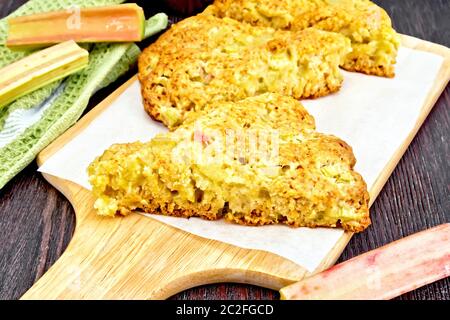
(374, 115)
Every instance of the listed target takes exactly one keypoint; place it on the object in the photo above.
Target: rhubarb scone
(374, 41)
(205, 59)
(255, 162)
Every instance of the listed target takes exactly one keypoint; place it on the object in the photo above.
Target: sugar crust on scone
(310, 183)
(205, 59)
(368, 26)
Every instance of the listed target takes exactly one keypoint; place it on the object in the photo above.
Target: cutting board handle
(135, 258)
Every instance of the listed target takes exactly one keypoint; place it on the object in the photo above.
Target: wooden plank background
(36, 222)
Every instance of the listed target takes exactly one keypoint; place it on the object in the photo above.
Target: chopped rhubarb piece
(40, 69)
(119, 23)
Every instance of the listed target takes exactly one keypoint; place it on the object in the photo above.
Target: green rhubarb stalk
(40, 69)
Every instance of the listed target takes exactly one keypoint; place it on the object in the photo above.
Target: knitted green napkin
(33, 121)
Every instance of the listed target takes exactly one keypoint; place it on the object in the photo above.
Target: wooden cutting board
(140, 258)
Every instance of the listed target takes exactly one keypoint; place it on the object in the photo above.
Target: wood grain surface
(36, 222)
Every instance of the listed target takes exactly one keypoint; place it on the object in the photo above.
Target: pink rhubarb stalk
(384, 273)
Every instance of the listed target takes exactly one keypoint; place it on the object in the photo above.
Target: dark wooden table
(36, 222)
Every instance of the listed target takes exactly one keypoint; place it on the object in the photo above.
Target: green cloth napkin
(33, 121)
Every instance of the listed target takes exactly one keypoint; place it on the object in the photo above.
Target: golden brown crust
(204, 59)
(367, 66)
(374, 41)
(308, 181)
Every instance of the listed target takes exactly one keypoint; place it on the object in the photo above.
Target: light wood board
(140, 258)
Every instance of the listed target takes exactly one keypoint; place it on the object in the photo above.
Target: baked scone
(204, 59)
(255, 162)
(368, 26)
